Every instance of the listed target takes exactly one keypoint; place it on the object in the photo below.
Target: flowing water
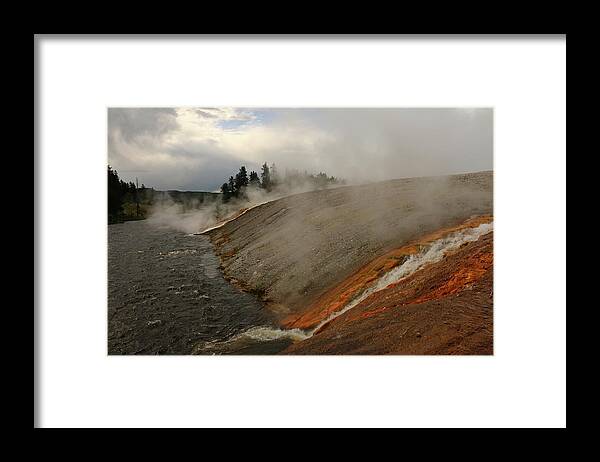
(431, 253)
(166, 295)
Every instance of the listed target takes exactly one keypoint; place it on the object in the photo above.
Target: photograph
(300, 231)
(249, 231)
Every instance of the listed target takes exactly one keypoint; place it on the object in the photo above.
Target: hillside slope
(292, 250)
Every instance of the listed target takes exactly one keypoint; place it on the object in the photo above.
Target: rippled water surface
(166, 295)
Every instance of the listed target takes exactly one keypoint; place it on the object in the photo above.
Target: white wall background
(523, 384)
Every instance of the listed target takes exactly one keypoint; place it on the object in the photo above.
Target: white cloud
(198, 148)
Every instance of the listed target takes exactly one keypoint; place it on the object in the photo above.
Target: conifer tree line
(118, 192)
(270, 180)
(127, 202)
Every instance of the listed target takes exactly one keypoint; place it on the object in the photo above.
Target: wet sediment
(444, 308)
(342, 294)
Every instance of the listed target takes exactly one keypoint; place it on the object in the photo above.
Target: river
(166, 295)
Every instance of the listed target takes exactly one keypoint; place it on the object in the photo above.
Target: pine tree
(254, 180)
(266, 177)
(232, 190)
(115, 196)
(241, 179)
(226, 192)
(274, 176)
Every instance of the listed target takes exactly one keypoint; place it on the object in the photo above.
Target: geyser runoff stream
(432, 253)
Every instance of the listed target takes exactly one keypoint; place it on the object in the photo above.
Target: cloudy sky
(199, 148)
